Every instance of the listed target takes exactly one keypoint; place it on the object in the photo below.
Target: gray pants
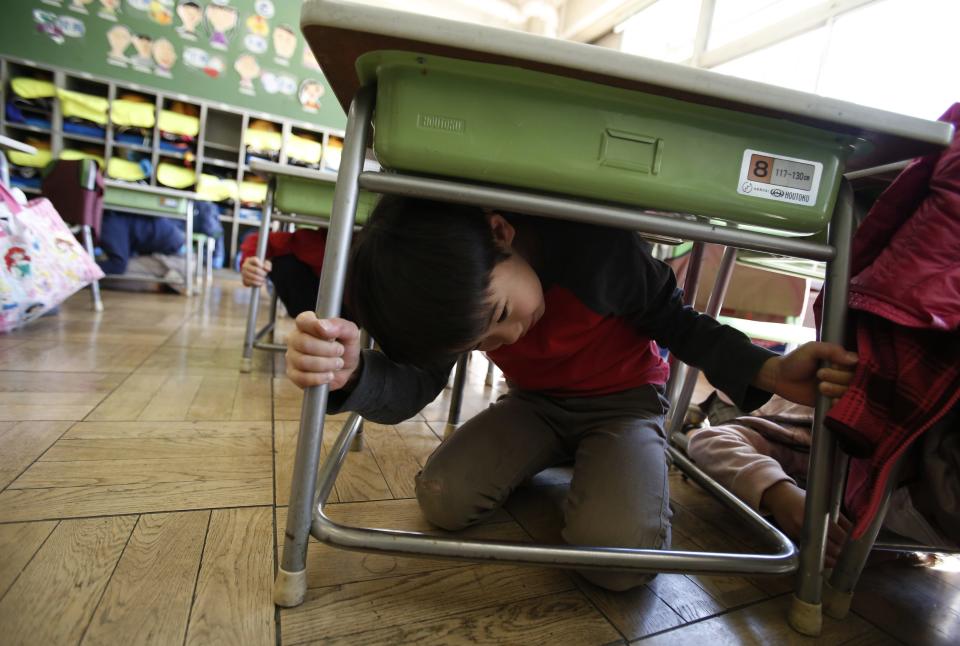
(619, 496)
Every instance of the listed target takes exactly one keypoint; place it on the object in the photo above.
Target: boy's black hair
(419, 278)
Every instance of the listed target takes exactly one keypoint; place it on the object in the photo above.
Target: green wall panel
(207, 60)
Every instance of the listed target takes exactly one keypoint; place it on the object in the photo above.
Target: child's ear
(503, 232)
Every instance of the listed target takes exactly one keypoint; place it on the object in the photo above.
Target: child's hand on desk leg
(254, 273)
(798, 376)
(322, 351)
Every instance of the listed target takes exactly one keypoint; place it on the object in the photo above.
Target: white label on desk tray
(775, 177)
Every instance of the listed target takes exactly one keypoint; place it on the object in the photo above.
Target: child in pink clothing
(762, 457)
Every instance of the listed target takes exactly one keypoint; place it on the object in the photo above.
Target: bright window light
(665, 30)
(734, 19)
(896, 55)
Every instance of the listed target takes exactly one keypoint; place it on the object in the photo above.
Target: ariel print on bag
(18, 262)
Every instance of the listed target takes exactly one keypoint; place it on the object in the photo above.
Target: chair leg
(691, 283)
(805, 611)
(211, 248)
(246, 362)
(456, 395)
(95, 285)
(291, 584)
(678, 406)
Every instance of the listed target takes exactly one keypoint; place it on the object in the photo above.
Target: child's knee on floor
(449, 503)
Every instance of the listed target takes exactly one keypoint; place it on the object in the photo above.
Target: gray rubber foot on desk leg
(246, 364)
(290, 588)
(805, 618)
(836, 603)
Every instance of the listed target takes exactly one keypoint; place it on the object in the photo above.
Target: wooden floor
(143, 484)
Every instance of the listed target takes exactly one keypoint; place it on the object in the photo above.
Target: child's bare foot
(785, 501)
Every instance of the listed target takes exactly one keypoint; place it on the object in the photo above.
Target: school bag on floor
(41, 263)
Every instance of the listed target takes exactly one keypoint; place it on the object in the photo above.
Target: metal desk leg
(456, 395)
(188, 269)
(838, 591)
(246, 362)
(678, 406)
(691, 283)
(291, 583)
(95, 285)
(805, 611)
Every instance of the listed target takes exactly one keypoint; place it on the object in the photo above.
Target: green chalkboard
(246, 53)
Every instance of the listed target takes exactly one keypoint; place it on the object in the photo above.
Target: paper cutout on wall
(80, 6)
(71, 27)
(248, 69)
(278, 83)
(220, 21)
(109, 9)
(53, 3)
(140, 5)
(255, 44)
(161, 12)
(264, 8)
(47, 24)
(309, 94)
(118, 39)
(258, 25)
(284, 44)
(190, 15)
(197, 58)
(143, 58)
(165, 56)
(309, 60)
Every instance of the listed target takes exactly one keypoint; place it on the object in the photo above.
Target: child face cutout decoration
(284, 41)
(119, 38)
(221, 20)
(190, 16)
(164, 54)
(248, 69)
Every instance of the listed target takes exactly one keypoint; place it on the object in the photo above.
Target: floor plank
(564, 618)
(149, 596)
(762, 623)
(51, 395)
(54, 598)
(406, 600)
(21, 443)
(18, 543)
(234, 604)
(398, 465)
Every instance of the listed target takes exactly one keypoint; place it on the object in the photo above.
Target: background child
(292, 263)
(763, 459)
(572, 314)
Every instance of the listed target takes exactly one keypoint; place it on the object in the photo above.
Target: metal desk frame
(891, 134)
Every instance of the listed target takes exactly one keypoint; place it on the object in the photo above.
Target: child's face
(516, 303)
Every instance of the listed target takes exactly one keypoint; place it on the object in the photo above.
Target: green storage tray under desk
(147, 199)
(314, 197)
(506, 125)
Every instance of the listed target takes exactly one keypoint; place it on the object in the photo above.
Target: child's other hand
(254, 273)
(785, 501)
(798, 376)
(322, 351)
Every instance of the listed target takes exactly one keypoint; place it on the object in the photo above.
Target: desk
(11, 144)
(157, 202)
(442, 91)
